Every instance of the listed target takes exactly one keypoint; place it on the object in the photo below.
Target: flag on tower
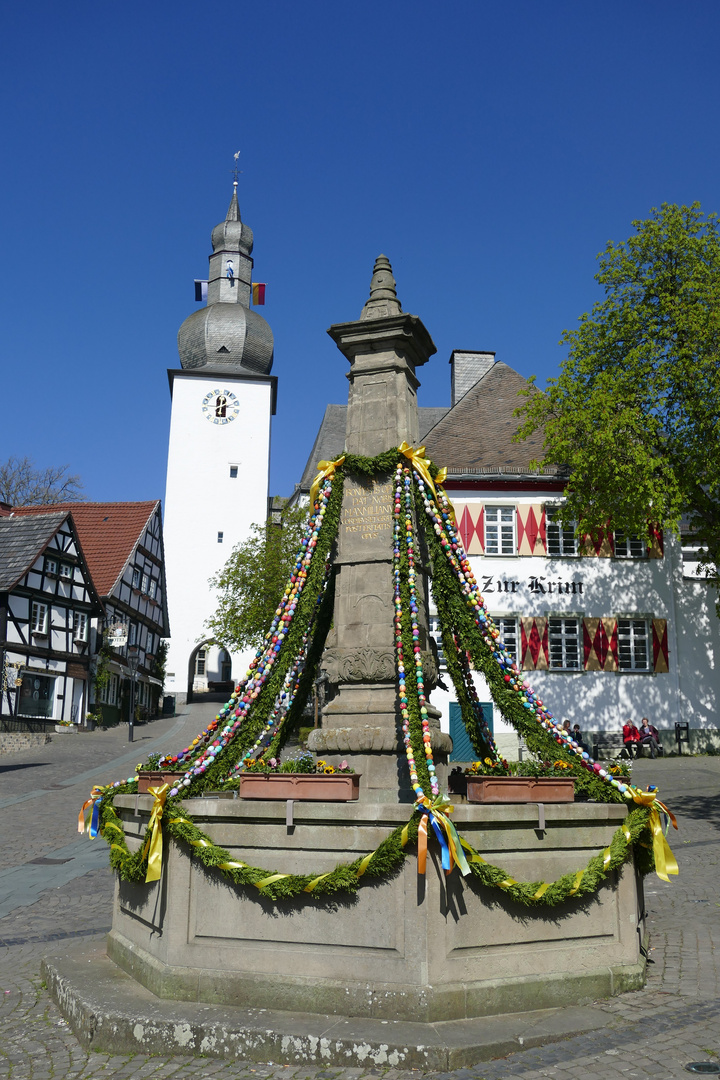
(258, 293)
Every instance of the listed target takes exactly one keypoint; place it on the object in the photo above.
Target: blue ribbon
(444, 849)
(95, 819)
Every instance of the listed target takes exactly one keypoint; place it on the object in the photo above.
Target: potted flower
(523, 781)
(301, 777)
(152, 774)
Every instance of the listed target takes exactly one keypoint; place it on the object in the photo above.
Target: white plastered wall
(601, 701)
(202, 499)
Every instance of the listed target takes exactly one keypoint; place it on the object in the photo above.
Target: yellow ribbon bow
(327, 471)
(154, 844)
(665, 861)
(420, 463)
(450, 844)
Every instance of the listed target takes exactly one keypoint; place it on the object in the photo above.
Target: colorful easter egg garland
(268, 704)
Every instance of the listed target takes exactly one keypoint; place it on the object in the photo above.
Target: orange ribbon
(422, 844)
(85, 811)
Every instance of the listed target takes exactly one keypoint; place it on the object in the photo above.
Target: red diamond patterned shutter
(661, 660)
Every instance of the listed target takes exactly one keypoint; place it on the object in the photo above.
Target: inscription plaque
(366, 521)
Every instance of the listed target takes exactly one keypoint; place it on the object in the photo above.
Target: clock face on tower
(220, 406)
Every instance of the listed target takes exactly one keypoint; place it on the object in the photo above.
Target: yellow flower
(328, 770)
(321, 764)
(487, 761)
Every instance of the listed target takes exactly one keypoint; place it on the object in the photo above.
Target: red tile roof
(108, 533)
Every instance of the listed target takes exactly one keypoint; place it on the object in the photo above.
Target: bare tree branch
(21, 484)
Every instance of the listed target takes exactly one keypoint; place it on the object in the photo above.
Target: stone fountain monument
(408, 947)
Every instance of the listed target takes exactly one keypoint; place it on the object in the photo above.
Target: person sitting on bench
(648, 737)
(631, 738)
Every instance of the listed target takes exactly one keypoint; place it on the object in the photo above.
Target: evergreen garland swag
(463, 637)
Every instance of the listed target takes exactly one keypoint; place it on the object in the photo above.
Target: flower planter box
(66, 729)
(340, 787)
(520, 789)
(148, 779)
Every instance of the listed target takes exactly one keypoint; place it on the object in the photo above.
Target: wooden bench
(609, 744)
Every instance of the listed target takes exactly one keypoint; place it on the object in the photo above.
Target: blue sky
(490, 150)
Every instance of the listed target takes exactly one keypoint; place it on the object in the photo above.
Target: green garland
(386, 860)
(453, 611)
(316, 604)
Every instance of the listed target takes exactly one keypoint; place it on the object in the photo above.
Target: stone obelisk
(362, 719)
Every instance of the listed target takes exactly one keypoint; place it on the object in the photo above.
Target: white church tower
(223, 397)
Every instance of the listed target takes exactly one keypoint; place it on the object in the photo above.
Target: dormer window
(66, 572)
(51, 567)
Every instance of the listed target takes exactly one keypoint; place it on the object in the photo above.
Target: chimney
(466, 369)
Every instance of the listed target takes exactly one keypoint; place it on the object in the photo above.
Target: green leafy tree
(251, 583)
(635, 414)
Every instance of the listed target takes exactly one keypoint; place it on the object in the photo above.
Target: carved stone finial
(383, 295)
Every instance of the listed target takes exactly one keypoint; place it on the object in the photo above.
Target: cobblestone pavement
(651, 1033)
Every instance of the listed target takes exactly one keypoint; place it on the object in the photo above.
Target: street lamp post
(133, 657)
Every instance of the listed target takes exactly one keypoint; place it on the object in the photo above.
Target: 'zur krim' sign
(539, 585)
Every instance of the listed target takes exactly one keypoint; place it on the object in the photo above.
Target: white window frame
(132, 634)
(39, 618)
(80, 626)
(51, 567)
(145, 581)
(500, 530)
(152, 588)
(633, 643)
(564, 639)
(136, 577)
(564, 535)
(508, 627)
(629, 547)
(201, 663)
(112, 690)
(66, 571)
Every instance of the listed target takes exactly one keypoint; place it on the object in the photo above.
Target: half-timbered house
(123, 546)
(47, 605)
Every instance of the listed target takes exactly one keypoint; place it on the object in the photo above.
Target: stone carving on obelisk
(362, 721)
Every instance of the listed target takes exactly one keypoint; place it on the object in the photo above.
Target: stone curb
(109, 1012)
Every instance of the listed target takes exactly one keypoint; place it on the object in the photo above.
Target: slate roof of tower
(476, 434)
(108, 533)
(22, 540)
(330, 440)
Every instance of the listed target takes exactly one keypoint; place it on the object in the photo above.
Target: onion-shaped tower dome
(228, 335)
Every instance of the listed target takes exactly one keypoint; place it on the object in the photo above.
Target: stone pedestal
(407, 948)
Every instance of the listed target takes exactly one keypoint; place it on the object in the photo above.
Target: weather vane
(236, 170)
